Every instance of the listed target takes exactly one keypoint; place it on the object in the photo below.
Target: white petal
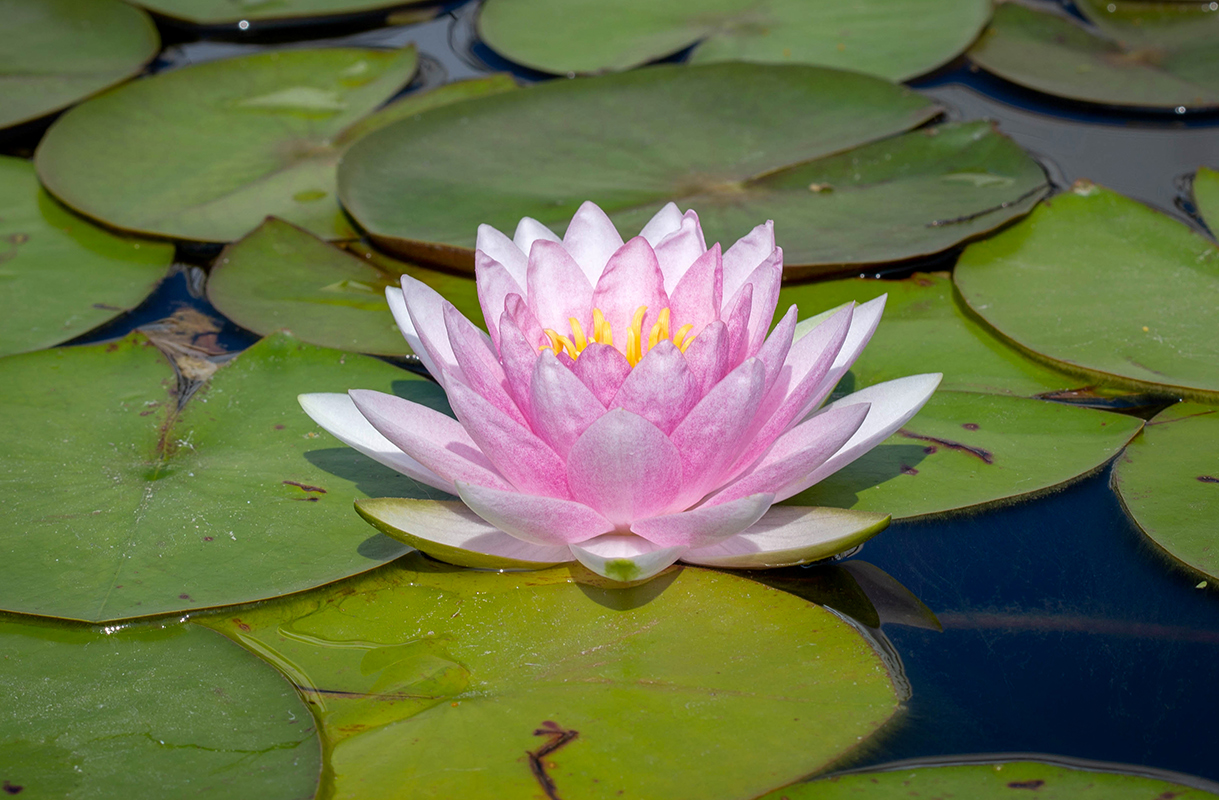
(790, 535)
(528, 231)
(499, 247)
(662, 223)
(397, 305)
(624, 557)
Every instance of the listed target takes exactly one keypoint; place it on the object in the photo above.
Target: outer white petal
(397, 305)
(450, 531)
(528, 231)
(624, 557)
(499, 247)
(340, 417)
(662, 223)
(790, 535)
(863, 324)
(893, 404)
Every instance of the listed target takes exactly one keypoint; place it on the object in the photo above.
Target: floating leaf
(281, 277)
(148, 712)
(487, 685)
(62, 275)
(733, 141)
(219, 12)
(894, 40)
(1103, 286)
(965, 449)
(1052, 53)
(206, 152)
(57, 52)
(1008, 780)
(1206, 195)
(119, 505)
(1168, 480)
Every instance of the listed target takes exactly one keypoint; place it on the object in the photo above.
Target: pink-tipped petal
(697, 298)
(701, 527)
(518, 311)
(863, 325)
(479, 362)
(791, 535)
(534, 519)
(494, 284)
(708, 356)
(435, 440)
(397, 307)
(797, 453)
(737, 319)
(602, 369)
(631, 279)
(563, 407)
(773, 352)
(591, 239)
(624, 557)
(660, 388)
(499, 247)
(677, 251)
(528, 231)
(663, 222)
(766, 280)
(744, 256)
(558, 289)
(517, 357)
(893, 403)
(625, 468)
(526, 461)
(426, 309)
(338, 415)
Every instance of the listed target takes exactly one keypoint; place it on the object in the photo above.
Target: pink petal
(790, 535)
(563, 407)
(624, 557)
(893, 403)
(591, 239)
(500, 248)
(558, 289)
(660, 388)
(663, 222)
(426, 309)
(863, 325)
(397, 307)
(765, 280)
(697, 298)
(526, 461)
(677, 251)
(625, 468)
(433, 439)
(528, 231)
(518, 311)
(708, 356)
(538, 520)
(494, 284)
(631, 279)
(602, 369)
(480, 367)
(517, 357)
(701, 527)
(737, 319)
(773, 352)
(744, 256)
(338, 415)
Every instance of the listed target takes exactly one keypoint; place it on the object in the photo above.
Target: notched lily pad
(61, 274)
(118, 503)
(575, 690)
(57, 52)
(1168, 480)
(144, 712)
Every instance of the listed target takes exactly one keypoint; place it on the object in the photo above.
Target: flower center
(636, 345)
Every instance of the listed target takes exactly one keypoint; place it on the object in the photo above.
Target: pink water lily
(628, 408)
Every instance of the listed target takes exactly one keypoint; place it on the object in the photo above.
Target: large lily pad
(148, 712)
(740, 143)
(1050, 52)
(1168, 480)
(56, 52)
(282, 277)
(501, 685)
(964, 450)
(894, 40)
(61, 274)
(1206, 196)
(1103, 286)
(206, 152)
(118, 504)
(1000, 781)
(218, 12)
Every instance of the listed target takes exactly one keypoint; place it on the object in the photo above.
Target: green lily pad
(57, 52)
(1168, 480)
(1144, 24)
(739, 143)
(145, 712)
(206, 152)
(61, 274)
(964, 450)
(118, 504)
(283, 278)
(894, 40)
(1206, 195)
(489, 685)
(219, 12)
(924, 329)
(1103, 286)
(1052, 53)
(999, 781)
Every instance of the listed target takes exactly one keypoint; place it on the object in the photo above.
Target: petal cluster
(630, 406)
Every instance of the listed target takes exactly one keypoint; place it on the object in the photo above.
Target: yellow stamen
(602, 333)
(636, 343)
(680, 336)
(634, 337)
(559, 344)
(660, 330)
(577, 334)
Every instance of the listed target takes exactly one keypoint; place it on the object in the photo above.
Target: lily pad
(61, 274)
(57, 52)
(1052, 53)
(924, 329)
(739, 143)
(119, 504)
(206, 152)
(965, 450)
(999, 781)
(218, 12)
(281, 277)
(491, 685)
(1103, 286)
(1168, 480)
(174, 712)
(1206, 196)
(894, 40)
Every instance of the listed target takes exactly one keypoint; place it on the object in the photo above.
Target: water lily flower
(628, 408)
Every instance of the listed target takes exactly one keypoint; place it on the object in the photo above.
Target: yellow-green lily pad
(219, 12)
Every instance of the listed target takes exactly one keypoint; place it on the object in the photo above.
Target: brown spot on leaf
(558, 736)
(908, 470)
(977, 452)
(279, 427)
(240, 624)
(1034, 785)
(929, 449)
(304, 487)
(184, 597)
(969, 426)
(12, 788)
(1208, 479)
